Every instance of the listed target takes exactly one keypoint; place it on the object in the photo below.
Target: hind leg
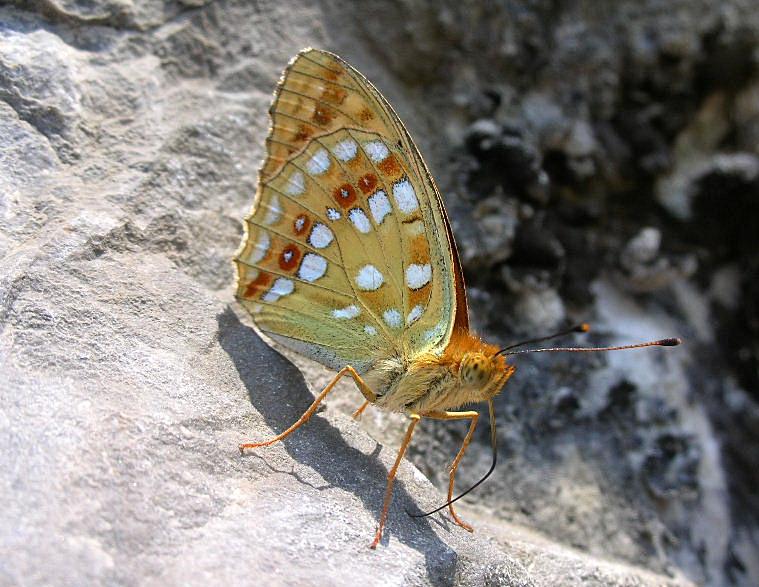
(367, 393)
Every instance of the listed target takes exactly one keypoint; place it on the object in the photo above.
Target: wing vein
(366, 255)
(331, 106)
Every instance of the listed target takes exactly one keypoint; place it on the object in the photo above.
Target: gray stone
(130, 137)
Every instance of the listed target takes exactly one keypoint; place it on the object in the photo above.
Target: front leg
(473, 416)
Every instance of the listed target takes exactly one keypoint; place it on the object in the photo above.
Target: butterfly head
(484, 372)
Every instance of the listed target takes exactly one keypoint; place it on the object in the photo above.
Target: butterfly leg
(367, 393)
(391, 479)
(473, 416)
(358, 412)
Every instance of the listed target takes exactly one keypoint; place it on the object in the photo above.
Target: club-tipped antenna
(491, 417)
(640, 345)
(506, 351)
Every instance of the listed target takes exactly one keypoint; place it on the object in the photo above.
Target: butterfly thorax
(465, 371)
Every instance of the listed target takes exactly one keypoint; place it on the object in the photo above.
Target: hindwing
(348, 255)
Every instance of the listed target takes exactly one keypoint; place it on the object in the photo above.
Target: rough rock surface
(599, 162)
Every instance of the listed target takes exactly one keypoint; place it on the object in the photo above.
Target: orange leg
(473, 416)
(358, 412)
(368, 394)
(391, 478)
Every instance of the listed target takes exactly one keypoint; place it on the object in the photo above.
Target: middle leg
(391, 479)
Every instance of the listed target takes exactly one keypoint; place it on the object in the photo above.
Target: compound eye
(474, 371)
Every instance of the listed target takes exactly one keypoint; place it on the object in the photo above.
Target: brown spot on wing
(301, 224)
(367, 183)
(344, 195)
(365, 115)
(304, 133)
(323, 114)
(289, 257)
(257, 285)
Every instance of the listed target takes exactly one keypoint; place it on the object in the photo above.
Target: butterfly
(349, 258)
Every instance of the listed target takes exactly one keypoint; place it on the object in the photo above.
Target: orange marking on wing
(419, 251)
(333, 74)
(419, 296)
(257, 285)
(334, 95)
(344, 195)
(301, 224)
(367, 183)
(389, 166)
(365, 115)
(289, 257)
(323, 115)
(379, 298)
(304, 133)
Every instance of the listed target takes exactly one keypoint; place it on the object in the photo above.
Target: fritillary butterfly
(349, 258)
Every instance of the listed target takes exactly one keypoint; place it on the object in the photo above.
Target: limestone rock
(130, 137)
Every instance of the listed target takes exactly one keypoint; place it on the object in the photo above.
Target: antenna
(640, 345)
(584, 327)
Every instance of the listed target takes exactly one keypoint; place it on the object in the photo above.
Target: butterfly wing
(348, 255)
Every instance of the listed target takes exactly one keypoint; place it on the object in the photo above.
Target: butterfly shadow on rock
(263, 371)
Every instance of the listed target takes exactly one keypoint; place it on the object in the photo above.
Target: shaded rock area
(600, 162)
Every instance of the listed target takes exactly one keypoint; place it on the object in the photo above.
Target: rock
(130, 137)
(644, 270)
(540, 311)
(506, 160)
(488, 242)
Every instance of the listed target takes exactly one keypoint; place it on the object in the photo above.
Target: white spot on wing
(346, 313)
(379, 206)
(414, 314)
(320, 236)
(393, 318)
(405, 196)
(312, 267)
(418, 275)
(273, 211)
(260, 248)
(435, 332)
(345, 150)
(296, 184)
(369, 278)
(360, 220)
(319, 162)
(280, 287)
(333, 214)
(370, 330)
(376, 150)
